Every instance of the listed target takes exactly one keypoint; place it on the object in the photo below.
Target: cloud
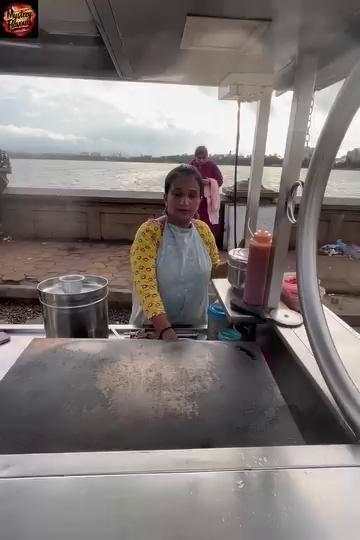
(47, 114)
(323, 102)
(24, 132)
(209, 91)
(108, 117)
(84, 122)
(325, 98)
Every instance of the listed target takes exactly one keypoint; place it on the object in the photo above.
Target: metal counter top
(308, 497)
(226, 293)
(345, 338)
(230, 493)
(179, 461)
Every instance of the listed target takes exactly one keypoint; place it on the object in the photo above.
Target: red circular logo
(19, 19)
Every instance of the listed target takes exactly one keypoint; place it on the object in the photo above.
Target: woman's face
(201, 158)
(183, 199)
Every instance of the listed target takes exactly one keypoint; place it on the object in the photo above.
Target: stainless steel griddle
(94, 395)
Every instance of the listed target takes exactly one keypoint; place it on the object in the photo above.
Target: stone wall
(72, 214)
(116, 215)
(339, 219)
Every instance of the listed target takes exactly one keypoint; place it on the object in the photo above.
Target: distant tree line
(347, 164)
(271, 160)
(221, 159)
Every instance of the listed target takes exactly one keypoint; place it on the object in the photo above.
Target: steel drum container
(75, 306)
(237, 267)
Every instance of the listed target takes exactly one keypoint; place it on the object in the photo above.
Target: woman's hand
(169, 335)
(162, 327)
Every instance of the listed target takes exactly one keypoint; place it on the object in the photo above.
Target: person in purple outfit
(208, 169)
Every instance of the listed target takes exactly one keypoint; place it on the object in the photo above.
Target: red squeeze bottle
(257, 268)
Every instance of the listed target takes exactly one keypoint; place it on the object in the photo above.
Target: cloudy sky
(46, 114)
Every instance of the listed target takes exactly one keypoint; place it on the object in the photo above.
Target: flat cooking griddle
(93, 395)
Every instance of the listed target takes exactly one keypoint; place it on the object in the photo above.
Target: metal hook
(290, 201)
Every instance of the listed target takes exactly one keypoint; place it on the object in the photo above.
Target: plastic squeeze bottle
(257, 268)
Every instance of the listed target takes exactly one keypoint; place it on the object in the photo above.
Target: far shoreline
(139, 159)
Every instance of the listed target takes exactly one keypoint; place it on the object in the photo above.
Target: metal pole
(294, 154)
(236, 170)
(257, 165)
(341, 385)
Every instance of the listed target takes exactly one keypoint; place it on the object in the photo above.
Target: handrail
(345, 392)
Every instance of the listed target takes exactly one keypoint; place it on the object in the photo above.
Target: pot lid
(239, 255)
(72, 284)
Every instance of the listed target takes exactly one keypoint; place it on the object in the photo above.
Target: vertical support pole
(294, 153)
(236, 171)
(257, 165)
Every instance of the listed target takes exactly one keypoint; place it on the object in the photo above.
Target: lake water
(145, 176)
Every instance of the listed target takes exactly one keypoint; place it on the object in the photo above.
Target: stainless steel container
(237, 267)
(75, 306)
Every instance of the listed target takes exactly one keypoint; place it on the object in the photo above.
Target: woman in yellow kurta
(173, 258)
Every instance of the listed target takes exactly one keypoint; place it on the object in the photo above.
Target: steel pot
(237, 267)
(75, 306)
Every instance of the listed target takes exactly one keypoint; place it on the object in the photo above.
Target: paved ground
(31, 261)
(20, 313)
(28, 262)
(339, 275)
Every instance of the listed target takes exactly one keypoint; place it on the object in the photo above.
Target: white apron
(183, 270)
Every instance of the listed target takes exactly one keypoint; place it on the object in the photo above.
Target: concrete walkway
(339, 275)
(28, 262)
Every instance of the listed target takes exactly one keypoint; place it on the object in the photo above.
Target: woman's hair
(201, 151)
(183, 170)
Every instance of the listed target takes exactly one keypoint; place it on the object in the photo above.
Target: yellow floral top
(143, 256)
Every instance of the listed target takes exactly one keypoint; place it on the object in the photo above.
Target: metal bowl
(237, 267)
